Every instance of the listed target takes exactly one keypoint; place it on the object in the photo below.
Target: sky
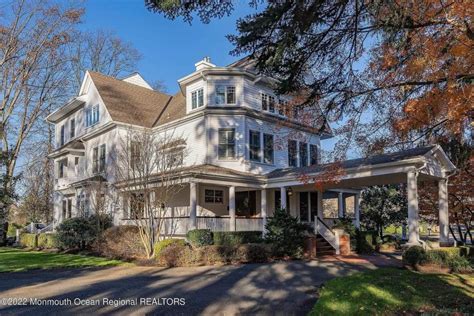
(169, 48)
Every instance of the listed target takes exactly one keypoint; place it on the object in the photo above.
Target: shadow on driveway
(282, 287)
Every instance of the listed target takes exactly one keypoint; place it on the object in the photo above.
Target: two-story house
(246, 152)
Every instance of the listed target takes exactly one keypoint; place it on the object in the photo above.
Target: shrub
(236, 238)
(413, 255)
(163, 244)
(29, 240)
(460, 264)
(48, 241)
(120, 242)
(171, 255)
(12, 227)
(214, 254)
(252, 253)
(345, 224)
(189, 256)
(467, 251)
(199, 237)
(366, 241)
(81, 232)
(285, 234)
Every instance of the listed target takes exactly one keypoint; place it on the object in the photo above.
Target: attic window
(197, 98)
(92, 115)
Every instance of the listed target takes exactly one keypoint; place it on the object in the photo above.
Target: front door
(304, 206)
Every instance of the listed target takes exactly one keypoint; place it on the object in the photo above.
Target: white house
(246, 153)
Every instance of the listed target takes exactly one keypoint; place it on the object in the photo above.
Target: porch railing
(223, 223)
(332, 237)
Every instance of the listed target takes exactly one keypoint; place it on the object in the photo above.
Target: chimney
(203, 64)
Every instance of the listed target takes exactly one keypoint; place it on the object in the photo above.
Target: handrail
(322, 222)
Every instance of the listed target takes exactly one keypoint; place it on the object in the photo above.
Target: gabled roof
(174, 110)
(130, 103)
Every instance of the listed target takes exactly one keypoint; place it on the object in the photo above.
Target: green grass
(394, 291)
(14, 260)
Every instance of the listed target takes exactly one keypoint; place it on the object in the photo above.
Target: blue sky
(169, 48)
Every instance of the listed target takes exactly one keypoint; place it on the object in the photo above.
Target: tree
(382, 206)
(460, 189)
(101, 51)
(148, 177)
(406, 63)
(33, 37)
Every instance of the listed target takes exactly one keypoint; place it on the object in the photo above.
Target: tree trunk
(3, 225)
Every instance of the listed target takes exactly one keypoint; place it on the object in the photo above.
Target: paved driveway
(282, 288)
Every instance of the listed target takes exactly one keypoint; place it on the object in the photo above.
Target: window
(214, 196)
(197, 98)
(282, 104)
(254, 139)
(313, 152)
(76, 161)
(230, 95)
(95, 160)
(92, 115)
(303, 154)
(82, 205)
(226, 147)
(220, 94)
(64, 209)
(137, 205)
(271, 104)
(268, 148)
(62, 168)
(69, 208)
(134, 154)
(225, 95)
(61, 137)
(72, 129)
(264, 102)
(98, 159)
(292, 154)
(102, 158)
(174, 158)
(304, 206)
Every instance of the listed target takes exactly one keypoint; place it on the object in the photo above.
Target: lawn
(14, 260)
(393, 291)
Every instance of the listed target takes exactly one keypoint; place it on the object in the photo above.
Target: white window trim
(225, 94)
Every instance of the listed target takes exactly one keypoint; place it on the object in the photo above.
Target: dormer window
(92, 115)
(197, 98)
(225, 95)
(62, 137)
(72, 129)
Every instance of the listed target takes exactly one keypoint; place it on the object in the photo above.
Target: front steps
(323, 248)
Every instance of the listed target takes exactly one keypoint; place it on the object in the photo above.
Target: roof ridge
(128, 83)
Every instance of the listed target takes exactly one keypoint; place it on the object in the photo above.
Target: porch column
(193, 205)
(263, 211)
(232, 207)
(283, 197)
(340, 205)
(357, 210)
(443, 212)
(320, 205)
(412, 192)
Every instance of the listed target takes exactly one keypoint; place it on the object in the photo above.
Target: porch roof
(431, 162)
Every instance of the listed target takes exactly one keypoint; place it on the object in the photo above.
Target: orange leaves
(330, 175)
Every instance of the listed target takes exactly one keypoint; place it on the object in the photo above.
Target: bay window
(226, 146)
(268, 148)
(254, 144)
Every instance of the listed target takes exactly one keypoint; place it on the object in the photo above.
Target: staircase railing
(332, 237)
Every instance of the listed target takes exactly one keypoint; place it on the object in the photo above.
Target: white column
(443, 212)
(283, 198)
(263, 211)
(340, 205)
(320, 205)
(232, 207)
(357, 209)
(412, 192)
(193, 205)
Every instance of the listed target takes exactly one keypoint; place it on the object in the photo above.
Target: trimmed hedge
(29, 240)
(366, 241)
(163, 244)
(236, 238)
(199, 237)
(443, 257)
(120, 242)
(48, 241)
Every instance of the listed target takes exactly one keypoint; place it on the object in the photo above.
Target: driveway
(282, 288)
